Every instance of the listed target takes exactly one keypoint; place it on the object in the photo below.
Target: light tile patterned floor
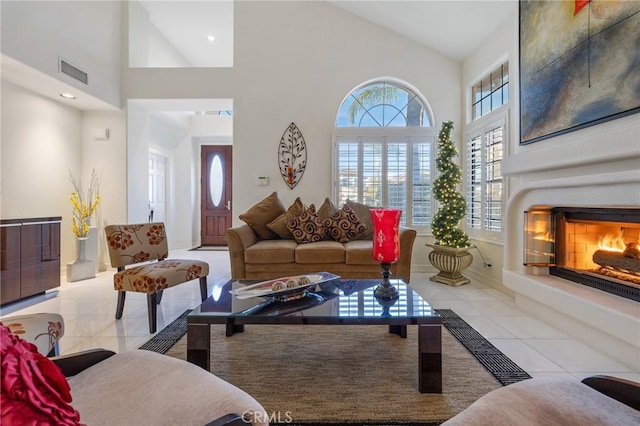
(88, 308)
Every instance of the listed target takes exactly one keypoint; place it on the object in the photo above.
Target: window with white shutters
(484, 186)
(383, 151)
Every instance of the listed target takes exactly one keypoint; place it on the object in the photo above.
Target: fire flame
(611, 242)
(544, 237)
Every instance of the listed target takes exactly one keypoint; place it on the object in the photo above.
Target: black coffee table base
(429, 349)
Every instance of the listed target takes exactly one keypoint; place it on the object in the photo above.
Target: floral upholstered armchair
(44, 330)
(140, 252)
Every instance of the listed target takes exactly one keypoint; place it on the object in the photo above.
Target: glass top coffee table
(333, 302)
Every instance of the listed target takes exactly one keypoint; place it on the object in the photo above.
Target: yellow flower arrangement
(84, 208)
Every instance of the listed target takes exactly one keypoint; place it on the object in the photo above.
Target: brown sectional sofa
(256, 258)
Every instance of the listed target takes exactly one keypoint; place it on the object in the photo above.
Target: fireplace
(596, 247)
(587, 171)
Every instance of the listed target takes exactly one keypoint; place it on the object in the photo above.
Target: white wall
(87, 34)
(108, 158)
(42, 140)
(148, 47)
(219, 127)
(183, 194)
(137, 160)
(41, 143)
(289, 67)
(502, 45)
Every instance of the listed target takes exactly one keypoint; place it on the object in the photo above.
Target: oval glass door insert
(216, 181)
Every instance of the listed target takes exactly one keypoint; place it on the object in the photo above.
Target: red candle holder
(386, 247)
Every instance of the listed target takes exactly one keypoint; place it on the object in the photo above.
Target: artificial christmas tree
(450, 252)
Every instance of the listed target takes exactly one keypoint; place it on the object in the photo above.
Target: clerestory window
(486, 142)
(384, 142)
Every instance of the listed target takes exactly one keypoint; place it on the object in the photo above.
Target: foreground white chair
(561, 401)
(135, 387)
(140, 387)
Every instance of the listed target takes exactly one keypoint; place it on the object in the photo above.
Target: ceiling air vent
(73, 72)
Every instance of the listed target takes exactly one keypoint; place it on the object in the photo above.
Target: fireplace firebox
(597, 247)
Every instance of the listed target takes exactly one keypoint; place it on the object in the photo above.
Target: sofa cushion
(359, 252)
(258, 216)
(320, 252)
(546, 401)
(279, 224)
(139, 387)
(344, 225)
(307, 228)
(271, 251)
(363, 213)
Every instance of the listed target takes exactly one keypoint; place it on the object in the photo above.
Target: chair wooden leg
(159, 298)
(120, 307)
(203, 288)
(152, 304)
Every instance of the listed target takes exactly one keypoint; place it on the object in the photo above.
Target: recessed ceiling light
(211, 38)
(67, 95)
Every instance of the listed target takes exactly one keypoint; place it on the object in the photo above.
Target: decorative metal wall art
(292, 155)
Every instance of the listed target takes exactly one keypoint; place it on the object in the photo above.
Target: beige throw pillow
(279, 224)
(327, 209)
(258, 216)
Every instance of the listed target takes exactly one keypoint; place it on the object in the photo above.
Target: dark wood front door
(216, 194)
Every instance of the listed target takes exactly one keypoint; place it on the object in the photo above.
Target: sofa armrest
(239, 238)
(403, 266)
(75, 363)
(625, 391)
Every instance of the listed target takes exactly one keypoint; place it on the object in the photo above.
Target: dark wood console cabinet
(29, 257)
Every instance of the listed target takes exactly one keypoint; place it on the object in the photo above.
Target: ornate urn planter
(450, 261)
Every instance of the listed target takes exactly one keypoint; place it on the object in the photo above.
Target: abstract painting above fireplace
(578, 65)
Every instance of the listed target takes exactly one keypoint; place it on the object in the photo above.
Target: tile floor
(88, 308)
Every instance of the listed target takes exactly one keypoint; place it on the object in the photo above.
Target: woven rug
(349, 374)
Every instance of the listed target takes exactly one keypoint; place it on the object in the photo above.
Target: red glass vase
(386, 247)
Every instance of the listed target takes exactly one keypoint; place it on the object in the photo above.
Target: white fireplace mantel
(595, 167)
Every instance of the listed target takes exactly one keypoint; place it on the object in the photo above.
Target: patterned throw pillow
(344, 225)
(363, 213)
(307, 228)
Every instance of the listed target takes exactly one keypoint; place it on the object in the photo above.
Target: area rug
(349, 374)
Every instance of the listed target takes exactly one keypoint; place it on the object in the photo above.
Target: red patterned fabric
(34, 391)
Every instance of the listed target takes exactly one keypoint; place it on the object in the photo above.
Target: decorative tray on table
(285, 288)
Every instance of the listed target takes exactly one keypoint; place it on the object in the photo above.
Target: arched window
(383, 104)
(383, 144)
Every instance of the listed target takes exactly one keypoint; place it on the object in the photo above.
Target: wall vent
(72, 71)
